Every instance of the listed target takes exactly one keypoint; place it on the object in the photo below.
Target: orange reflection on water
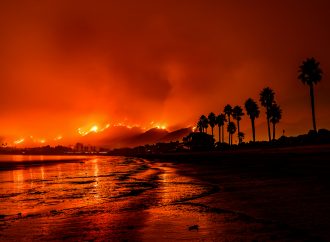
(113, 198)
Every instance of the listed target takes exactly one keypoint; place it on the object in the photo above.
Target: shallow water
(32, 158)
(114, 198)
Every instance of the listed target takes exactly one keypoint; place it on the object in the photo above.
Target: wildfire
(93, 129)
(83, 131)
(20, 141)
(157, 125)
(58, 137)
(160, 126)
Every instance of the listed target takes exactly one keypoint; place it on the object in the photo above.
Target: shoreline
(15, 165)
(293, 152)
(287, 186)
(282, 194)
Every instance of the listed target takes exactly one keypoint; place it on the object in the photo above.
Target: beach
(272, 195)
(289, 186)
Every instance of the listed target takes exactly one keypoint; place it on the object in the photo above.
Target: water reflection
(19, 158)
(109, 198)
(89, 195)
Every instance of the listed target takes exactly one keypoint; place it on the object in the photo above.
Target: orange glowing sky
(70, 64)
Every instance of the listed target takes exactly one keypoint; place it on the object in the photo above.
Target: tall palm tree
(231, 128)
(275, 116)
(237, 115)
(267, 97)
(200, 126)
(310, 73)
(241, 136)
(220, 121)
(205, 123)
(252, 110)
(212, 121)
(228, 111)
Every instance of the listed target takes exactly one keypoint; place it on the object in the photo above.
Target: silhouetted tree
(212, 121)
(221, 119)
(228, 111)
(205, 123)
(200, 126)
(310, 73)
(237, 115)
(267, 96)
(275, 116)
(241, 136)
(231, 128)
(253, 112)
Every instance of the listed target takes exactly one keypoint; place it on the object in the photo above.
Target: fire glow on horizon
(93, 129)
(83, 131)
(70, 67)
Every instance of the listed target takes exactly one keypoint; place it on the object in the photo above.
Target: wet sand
(232, 197)
(285, 188)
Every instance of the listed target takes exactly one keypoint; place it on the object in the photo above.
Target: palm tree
(228, 111)
(275, 116)
(231, 128)
(237, 115)
(220, 121)
(310, 73)
(252, 110)
(200, 126)
(212, 121)
(267, 96)
(205, 123)
(241, 136)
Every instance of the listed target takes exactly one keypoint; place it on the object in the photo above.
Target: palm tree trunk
(219, 134)
(239, 140)
(229, 138)
(311, 93)
(212, 131)
(273, 131)
(228, 131)
(253, 130)
(268, 125)
(223, 134)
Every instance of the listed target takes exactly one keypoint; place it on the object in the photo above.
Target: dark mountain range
(176, 135)
(122, 136)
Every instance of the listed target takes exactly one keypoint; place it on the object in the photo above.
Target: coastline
(269, 195)
(286, 186)
(269, 153)
(15, 165)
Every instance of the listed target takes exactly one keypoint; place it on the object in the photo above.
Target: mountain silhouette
(176, 135)
(149, 137)
(122, 136)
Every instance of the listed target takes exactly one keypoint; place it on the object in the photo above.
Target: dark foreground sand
(288, 187)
